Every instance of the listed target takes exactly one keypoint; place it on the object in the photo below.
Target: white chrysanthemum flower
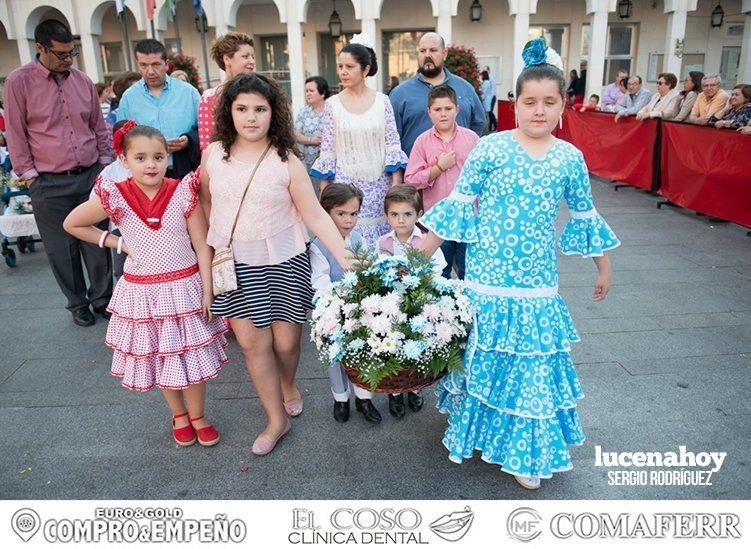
(390, 304)
(381, 324)
(390, 346)
(432, 311)
(349, 279)
(393, 333)
(443, 332)
(371, 304)
(374, 343)
(351, 324)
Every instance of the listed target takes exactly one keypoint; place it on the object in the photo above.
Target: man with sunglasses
(58, 143)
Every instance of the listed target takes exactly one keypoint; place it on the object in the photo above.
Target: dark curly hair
(280, 131)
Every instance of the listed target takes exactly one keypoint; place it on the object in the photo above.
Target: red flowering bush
(187, 63)
(462, 61)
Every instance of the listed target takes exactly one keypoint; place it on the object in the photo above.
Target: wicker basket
(398, 382)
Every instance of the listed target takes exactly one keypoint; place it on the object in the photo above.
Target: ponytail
(365, 57)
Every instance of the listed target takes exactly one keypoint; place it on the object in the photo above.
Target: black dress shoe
(366, 408)
(103, 312)
(415, 401)
(396, 406)
(83, 317)
(341, 411)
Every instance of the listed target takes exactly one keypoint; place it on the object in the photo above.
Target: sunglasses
(63, 56)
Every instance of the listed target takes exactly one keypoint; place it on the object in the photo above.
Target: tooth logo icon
(25, 523)
(454, 526)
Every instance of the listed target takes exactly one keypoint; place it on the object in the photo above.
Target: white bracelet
(120, 245)
(102, 238)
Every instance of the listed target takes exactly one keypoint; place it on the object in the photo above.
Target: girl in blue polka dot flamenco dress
(515, 399)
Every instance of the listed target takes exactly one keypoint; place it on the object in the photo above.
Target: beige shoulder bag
(223, 275)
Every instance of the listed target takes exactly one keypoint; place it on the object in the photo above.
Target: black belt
(74, 171)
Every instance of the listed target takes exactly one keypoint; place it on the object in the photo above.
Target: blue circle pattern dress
(515, 400)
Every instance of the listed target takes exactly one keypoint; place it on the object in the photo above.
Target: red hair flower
(119, 137)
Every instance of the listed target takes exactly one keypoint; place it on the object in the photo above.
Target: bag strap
(245, 192)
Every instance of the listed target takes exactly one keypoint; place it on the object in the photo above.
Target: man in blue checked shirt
(636, 98)
(164, 103)
(410, 98)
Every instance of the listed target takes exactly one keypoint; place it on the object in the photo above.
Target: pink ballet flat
(293, 407)
(263, 445)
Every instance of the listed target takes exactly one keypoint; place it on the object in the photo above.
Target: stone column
(744, 71)
(92, 57)
(296, 64)
(598, 11)
(369, 26)
(521, 10)
(444, 12)
(24, 50)
(677, 11)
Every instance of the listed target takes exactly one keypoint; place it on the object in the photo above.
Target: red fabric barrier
(621, 152)
(506, 119)
(707, 170)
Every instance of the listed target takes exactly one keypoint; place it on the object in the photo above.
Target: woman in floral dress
(360, 145)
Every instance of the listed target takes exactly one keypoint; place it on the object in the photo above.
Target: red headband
(119, 137)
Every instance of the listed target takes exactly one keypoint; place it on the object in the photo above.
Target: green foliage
(187, 63)
(462, 61)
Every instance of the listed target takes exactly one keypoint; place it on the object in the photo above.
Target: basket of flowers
(393, 324)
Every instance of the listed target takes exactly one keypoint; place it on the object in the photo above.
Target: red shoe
(184, 436)
(207, 436)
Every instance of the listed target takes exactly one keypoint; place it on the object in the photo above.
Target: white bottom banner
(325, 523)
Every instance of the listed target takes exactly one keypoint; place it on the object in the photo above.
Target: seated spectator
(664, 101)
(710, 101)
(121, 83)
(623, 90)
(613, 91)
(591, 105)
(737, 113)
(686, 97)
(634, 101)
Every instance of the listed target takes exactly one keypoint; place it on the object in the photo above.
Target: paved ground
(664, 362)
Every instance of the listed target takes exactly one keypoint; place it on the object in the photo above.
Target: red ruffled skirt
(160, 336)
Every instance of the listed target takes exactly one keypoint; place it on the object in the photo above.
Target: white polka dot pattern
(157, 331)
(515, 400)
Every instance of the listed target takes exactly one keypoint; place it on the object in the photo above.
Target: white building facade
(293, 37)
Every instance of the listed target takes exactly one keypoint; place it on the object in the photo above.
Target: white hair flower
(363, 39)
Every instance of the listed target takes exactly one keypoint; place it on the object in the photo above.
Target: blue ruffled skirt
(515, 400)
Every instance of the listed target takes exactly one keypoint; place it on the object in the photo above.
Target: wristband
(120, 245)
(103, 238)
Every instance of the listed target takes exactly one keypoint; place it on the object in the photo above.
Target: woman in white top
(663, 103)
(360, 145)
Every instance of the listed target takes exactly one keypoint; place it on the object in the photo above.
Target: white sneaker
(530, 483)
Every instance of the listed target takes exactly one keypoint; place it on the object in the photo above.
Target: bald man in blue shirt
(410, 98)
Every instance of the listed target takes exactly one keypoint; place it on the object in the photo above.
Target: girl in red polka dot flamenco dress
(161, 330)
